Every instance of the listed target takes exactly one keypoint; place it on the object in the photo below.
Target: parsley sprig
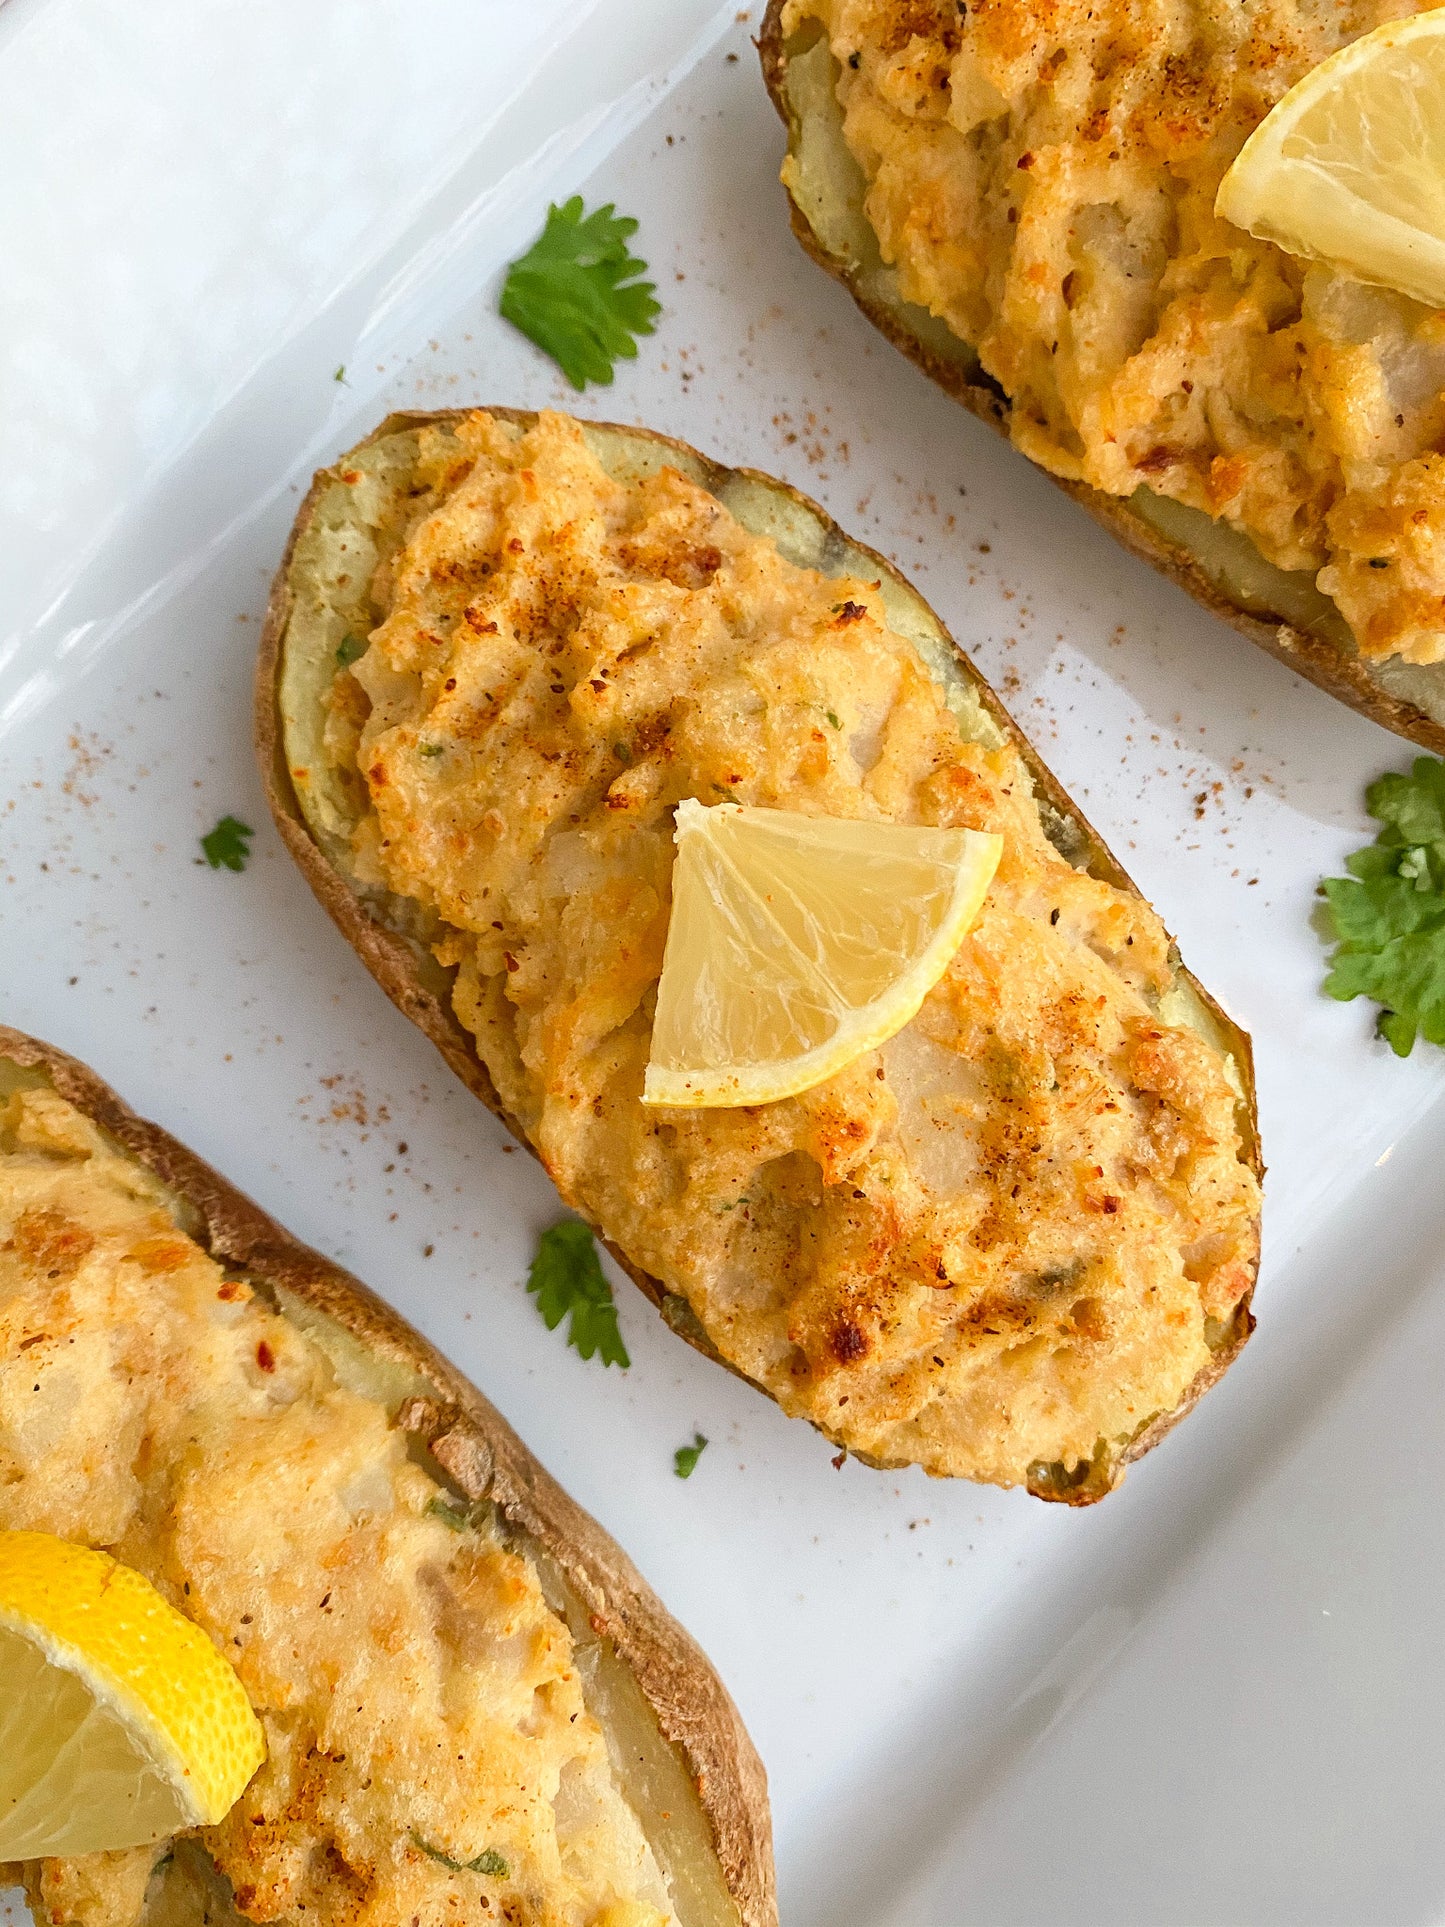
(566, 1279)
(1389, 913)
(228, 846)
(576, 292)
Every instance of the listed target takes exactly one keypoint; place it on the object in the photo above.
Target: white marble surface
(1214, 1698)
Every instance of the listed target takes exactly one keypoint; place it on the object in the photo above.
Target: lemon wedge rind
(124, 1723)
(1349, 167)
(817, 922)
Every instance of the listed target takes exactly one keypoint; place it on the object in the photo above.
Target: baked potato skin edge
(398, 964)
(477, 1448)
(1313, 657)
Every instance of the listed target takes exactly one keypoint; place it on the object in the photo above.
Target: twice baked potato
(1014, 1244)
(473, 1705)
(1020, 196)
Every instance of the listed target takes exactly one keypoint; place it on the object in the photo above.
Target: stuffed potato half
(262, 1432)
(1119, 353)
(1014, 1245)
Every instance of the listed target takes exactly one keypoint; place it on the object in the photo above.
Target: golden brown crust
(399, 966)
(471, 1440)
(1314, 657)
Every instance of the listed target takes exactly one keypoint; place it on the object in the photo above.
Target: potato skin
(416, 985)
(1314, 657)
(476, 1447)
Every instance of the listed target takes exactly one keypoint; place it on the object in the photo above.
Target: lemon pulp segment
(120, 1722)
(1349, 168)
(797, 943)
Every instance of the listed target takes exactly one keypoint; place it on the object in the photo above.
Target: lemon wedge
(120, 1723)
(799, 942)
(1349, 167)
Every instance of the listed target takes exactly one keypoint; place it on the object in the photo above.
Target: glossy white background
(1217, 1698)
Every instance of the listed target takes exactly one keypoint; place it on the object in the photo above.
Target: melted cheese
(999, 1241)
(414, 1683)
(1042, 173)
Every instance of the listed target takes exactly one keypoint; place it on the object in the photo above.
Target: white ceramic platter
(1216, 1698)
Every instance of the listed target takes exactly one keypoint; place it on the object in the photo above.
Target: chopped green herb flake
(430, 749)
(488, 1861)
(567, 1281)
(685, 1458)
(1388, 915)
(352, 649)
(226, 847)
(452, 1512)
(340, 374)
(832, 718)
(577, 295)
(622, 752)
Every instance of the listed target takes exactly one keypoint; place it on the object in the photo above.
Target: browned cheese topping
(1042, 173)
(414, 1684)
(997, 1241)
